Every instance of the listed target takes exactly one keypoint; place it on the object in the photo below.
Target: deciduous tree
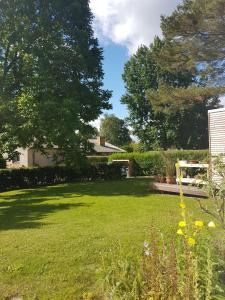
(160, 125)
(115, 130)
(50, 75)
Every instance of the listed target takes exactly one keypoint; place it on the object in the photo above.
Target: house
(216, 137)
(216, 131)
(30, 157)
(103, 148)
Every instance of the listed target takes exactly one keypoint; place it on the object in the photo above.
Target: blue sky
(121, 26)
(115, 56)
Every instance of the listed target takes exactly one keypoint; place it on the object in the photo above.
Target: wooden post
(130, 168)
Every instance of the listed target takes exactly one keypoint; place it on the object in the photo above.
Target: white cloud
(222, 98)
(96, 123)
(130, 22)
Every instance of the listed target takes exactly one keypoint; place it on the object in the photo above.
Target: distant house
(30, 157)
(103, 148)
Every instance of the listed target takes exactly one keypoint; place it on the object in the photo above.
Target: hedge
(95, 160)
(31, 177)
(152, 163)
(2, 163)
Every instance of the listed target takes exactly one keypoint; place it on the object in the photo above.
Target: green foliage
(95, 160)
(50, 76)
(2, 163)
(168, 269)
(122, 278)
(215, 190)
(168, 98)
(132, 147)
(115, 130)
(194, 34)
(82, 220)
(24, 178)
(168, 163)
(152, 163)
(158, 124)
(194, 41)
(174, 265)
(128, 148)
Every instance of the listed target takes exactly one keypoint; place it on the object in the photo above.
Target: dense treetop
(50, 74)
(161, 124)
(115, 130)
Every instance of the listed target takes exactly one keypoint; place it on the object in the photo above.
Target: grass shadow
(20, 214)
(25, 208)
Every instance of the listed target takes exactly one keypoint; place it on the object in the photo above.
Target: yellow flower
(191, 241)
(182, 205)
(180, 232)
(177, 165)
(211, 224)
(199, 224)
(182, 223)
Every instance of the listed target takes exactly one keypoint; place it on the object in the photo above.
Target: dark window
(16, 158)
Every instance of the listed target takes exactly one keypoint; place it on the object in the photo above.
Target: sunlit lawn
(52, 239)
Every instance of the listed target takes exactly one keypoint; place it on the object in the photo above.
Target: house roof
(108, 148)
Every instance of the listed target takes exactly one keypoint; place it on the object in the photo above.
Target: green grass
(52, 238)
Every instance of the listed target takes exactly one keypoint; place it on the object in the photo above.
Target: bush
(152, 163)
(2, 163)
(25, 178)
(95, 160)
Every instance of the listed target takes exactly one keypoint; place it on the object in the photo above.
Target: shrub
(2, 163)
(215, 190)
(151, 163)
(31, 177)
(95, 160)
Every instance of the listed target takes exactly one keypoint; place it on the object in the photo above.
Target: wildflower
(146, 245)
(211, 224)
(191, 241)
(180, 232)
(182, 205)
(182, 223)
(147, 252)
(199, 224)
(177, 165)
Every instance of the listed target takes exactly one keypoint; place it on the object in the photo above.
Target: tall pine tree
(194, 37)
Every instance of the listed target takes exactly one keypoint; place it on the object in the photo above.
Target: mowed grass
(52, 239)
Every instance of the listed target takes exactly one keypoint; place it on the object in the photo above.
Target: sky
(121, 27)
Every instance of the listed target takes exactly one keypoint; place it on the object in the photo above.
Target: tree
(115, 130)
(195, 33)
(50, 75)
(194, 37)
(157, 128)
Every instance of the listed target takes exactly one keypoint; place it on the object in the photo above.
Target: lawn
(52, 238)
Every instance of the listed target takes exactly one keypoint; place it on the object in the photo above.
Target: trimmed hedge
(2, 163)
(31, 177)
(95, 160)
(152, 163)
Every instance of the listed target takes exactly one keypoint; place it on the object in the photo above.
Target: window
(16, 158)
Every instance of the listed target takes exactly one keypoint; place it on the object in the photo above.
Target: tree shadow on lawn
(25, 208)
(21, 214)
(132, 187)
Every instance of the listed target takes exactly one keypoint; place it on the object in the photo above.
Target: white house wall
(217, 132)
(216, 137)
